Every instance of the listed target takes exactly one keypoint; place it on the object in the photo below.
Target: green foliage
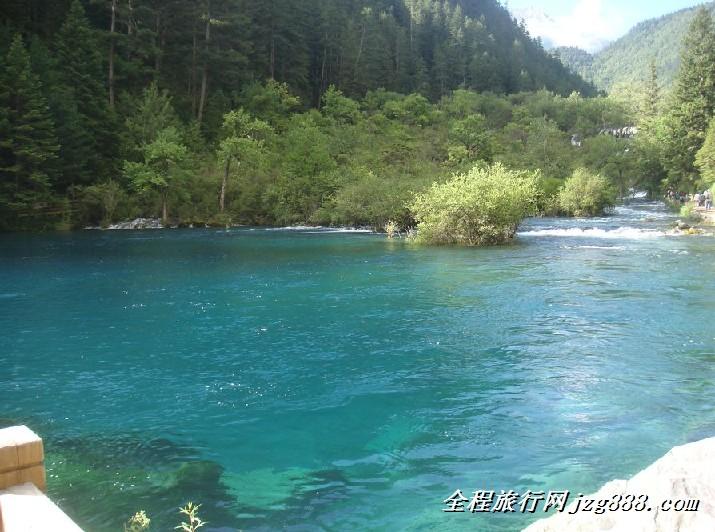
(372, 69)
(103, 202)
(162, 165)
(586, 194)
(482, 207)
(472, 135)
(87, 128)
(705, 158)
(146, 117)
(28, 144)
(233, 110)
(307, 173)
(191, 511)
(693, 101)
(243, 142)
(341, 109)
(612, 158)
(413, 109)
(139, 522)
(367, 200)
(271, 102)
(536, 143)
(689, 214)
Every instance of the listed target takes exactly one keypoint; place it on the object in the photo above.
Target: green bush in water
(482, 207)
(586, 194)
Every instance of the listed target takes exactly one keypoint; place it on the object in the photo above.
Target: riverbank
(707, 216)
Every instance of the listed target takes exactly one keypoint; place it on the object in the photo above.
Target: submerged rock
(686, 473)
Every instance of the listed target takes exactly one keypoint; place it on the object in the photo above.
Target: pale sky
(589, 24)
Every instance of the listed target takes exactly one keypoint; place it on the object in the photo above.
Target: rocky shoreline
(685, 473)
(145, 224)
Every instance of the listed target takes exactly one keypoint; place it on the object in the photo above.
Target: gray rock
(138, 224)
(685, 473)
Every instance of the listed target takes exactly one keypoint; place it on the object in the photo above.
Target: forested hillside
(289, 111)
(204, 51)
(628, 59)
(105, 99)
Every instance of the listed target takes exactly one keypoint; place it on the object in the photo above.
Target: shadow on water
(158, 475)
(155, 475)
(7, 422)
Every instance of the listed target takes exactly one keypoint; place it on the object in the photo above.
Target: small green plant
(689, 213)
(191, 511)
(392, 229)
(139, 522)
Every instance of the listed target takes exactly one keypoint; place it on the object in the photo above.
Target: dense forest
(289, 111)
(628, 60)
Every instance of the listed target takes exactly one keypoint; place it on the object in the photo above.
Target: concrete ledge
(21, 458)
(25, 508)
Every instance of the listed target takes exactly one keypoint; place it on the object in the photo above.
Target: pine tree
(652, 94)
(693, 99)
(705, 158)
(28, 143)
(88, 128)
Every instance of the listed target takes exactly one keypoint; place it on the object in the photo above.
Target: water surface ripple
(312, 380)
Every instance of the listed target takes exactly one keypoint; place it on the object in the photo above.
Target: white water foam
(625, 233)
(620, 248)
(312, 229)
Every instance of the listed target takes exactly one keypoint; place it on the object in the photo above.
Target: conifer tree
(693, 100)
(652, 94)
(87, 126)
(28, 143)
(705, 158)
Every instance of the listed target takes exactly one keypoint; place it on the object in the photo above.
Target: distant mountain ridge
(628, 59)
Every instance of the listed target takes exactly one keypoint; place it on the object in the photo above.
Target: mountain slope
(426, 46)
(628, 59)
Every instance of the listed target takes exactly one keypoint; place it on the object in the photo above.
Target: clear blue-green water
(309, 380)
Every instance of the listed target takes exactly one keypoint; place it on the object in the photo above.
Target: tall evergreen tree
(28, 143)
(693, 100)
(705, 158)
(652, 94)
(88, 128)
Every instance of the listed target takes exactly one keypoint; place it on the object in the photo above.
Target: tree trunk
(273, 42)
(130, 18)
(224, 183)
(111, 53)
(164, 209)
(412, 26)
(323, 73)
(192, 78)
(159, 46)
(205, 76)
(362, 43)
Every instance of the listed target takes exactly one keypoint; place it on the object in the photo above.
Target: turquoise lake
(327, 380)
